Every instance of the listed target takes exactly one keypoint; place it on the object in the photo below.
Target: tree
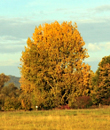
(10, 90)
(101, 82)
(9, 97)
(3, 79)
(53, 62)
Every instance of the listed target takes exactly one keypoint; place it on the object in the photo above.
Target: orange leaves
(54, 33)
(53, 59)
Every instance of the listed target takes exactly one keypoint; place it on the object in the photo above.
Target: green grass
(82, 119)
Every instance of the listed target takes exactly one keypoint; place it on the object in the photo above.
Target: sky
(18, 19)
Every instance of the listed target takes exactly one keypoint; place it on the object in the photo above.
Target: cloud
(102, 8)
(96, 47)
(107, 46)
(10, 59)
(93, 47)
(95, 32)
(16, 27)
(9, 62)
(96, 52)
(5, 49)
(19, 27)
(10, 44)
(7, 39)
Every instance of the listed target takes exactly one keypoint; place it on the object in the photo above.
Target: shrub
(12, 103)
(81, 102)
(65, 107)
(106, 101)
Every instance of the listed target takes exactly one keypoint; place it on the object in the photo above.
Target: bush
(106, 101)
(65, 107)
(12, 103)
(81, 102)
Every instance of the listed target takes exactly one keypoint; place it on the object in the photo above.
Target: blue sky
(18, 19)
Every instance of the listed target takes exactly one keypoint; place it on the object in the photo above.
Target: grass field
(82, 119)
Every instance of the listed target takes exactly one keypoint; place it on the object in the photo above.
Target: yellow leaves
(54, 34)
(54, 58)
(29, 42)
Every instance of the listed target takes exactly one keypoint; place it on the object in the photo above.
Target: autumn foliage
(101, 82)
(52, 64)
(3, 78)
(9, 95)
(54, 75)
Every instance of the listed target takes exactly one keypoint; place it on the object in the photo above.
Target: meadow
(81, 119)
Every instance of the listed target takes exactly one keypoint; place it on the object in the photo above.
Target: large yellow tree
(52, 63)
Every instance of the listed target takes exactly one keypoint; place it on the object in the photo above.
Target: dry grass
(93, 119)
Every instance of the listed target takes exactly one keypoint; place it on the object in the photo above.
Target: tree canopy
(101, 82)
(53, 62)
(3, 78)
